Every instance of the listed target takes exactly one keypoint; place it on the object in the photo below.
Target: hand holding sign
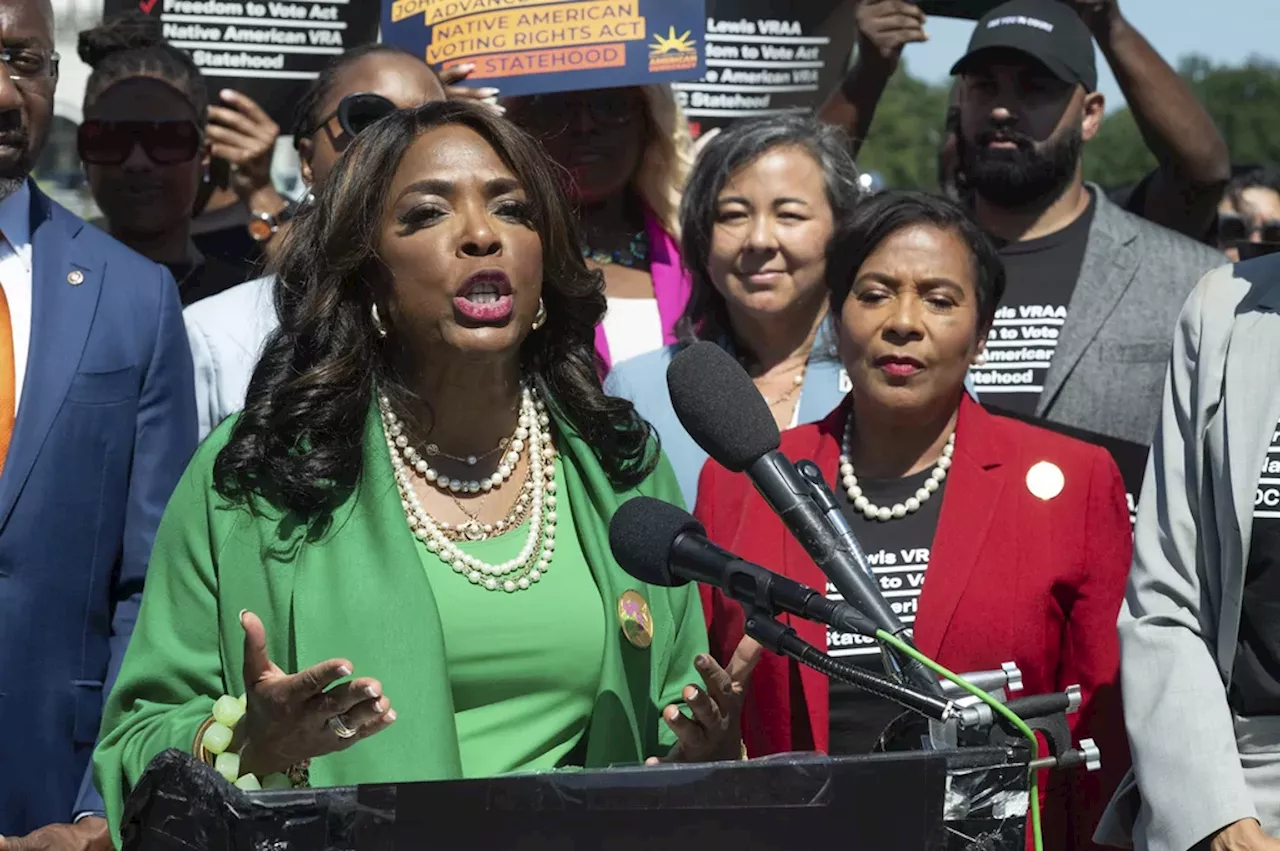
(1097, 15)
(451, 77)
(241, 133)
(885, 27)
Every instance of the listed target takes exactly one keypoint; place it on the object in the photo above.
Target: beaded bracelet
(214, 738)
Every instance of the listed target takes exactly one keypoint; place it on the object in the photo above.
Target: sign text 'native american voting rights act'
(528, 47)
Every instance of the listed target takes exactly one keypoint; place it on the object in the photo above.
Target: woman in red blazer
(994, 540)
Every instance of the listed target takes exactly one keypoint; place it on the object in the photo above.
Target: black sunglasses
(1237, 228)
(355, 114)
(112, 142)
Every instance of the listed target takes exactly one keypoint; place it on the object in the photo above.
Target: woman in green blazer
(413, 507)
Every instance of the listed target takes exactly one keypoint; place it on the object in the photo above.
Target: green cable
(996, 706)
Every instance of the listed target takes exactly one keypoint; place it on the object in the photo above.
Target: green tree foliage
(907, 133)
(1244, 101)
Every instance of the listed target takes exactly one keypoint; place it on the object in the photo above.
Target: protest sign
(971, 9)
(270, 51)
(766, 57)
(528, 47)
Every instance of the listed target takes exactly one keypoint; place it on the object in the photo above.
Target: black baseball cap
(1049, 31)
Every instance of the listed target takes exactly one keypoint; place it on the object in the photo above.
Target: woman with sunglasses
(628, 153)
(427, 591)
(227, 332)
(1249, 214)
(143, 148)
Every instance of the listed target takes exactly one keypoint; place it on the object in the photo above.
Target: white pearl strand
(414, 459)
(535, 557)
(884, 513)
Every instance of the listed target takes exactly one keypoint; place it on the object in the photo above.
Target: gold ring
(340, 729)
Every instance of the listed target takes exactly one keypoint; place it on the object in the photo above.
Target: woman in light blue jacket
(758, 216)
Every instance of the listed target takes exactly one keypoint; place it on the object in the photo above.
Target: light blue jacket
(643, 380)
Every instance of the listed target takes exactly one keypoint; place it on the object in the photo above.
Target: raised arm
(1195, 165)
(885, 27)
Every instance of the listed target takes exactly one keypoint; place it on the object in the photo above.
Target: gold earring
(541, 318)
(377, 321)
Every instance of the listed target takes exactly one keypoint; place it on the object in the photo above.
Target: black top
(205, 276)
(1042, 276)
(1255, 679)
(898, 551)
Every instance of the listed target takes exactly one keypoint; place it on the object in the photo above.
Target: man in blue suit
(97, 423)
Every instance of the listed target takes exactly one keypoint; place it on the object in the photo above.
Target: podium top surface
(895, 801)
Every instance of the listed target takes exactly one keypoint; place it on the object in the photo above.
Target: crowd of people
(319, 492)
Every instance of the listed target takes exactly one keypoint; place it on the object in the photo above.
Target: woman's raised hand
(290, 718)
(713, 731)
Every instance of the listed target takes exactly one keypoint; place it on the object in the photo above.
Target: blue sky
(1227, 31)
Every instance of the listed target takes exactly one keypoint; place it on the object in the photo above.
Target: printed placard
(766, 57)
(526, 47)
(971, 9)
(269, 50)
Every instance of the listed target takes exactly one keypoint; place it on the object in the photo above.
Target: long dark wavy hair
(298, 443)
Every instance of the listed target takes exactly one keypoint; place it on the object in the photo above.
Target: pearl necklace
(414, 459)
(884, 513)
(534, 559)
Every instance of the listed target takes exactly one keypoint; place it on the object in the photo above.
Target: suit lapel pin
(1045, 480)
(635, 619)
(75, 278)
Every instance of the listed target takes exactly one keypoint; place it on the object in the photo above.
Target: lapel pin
(75, 278)
(635, 619)
(1045, 480)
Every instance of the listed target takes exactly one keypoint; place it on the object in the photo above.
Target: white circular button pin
(1045, 480)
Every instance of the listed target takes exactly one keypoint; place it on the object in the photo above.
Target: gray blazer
(1109, 366)
(1181, 615)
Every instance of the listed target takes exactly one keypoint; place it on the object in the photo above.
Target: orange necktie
(8, 400)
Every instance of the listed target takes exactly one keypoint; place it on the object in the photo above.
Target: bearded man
(1084, 333)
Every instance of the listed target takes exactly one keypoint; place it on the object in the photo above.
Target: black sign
(766, 57)
(270, 51)
(971, 9)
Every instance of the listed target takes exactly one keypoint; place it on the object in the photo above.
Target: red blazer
(1010, 577)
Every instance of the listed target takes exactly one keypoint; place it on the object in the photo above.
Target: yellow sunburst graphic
(672, 43)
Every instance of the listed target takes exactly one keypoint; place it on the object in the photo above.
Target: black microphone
(724, 413)
(663, 545)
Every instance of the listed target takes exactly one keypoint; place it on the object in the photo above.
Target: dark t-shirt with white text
(898, 551)
(1041, 278)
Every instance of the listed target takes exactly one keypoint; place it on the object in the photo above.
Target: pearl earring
(981, 359)
(541, 318)
(377, 321)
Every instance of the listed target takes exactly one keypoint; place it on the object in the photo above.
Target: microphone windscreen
(641, 534)
(720, 407)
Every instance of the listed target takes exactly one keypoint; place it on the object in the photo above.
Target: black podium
(944, 801)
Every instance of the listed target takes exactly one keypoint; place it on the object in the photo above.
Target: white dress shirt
(16, 277)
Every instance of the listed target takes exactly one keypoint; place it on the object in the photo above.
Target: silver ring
(340, 729)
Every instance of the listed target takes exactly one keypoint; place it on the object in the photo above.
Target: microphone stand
(784, 641)
(904, 669)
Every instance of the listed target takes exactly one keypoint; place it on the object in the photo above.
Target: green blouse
(524, 667)
(355, 588)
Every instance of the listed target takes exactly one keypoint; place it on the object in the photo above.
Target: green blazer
(360, 592)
